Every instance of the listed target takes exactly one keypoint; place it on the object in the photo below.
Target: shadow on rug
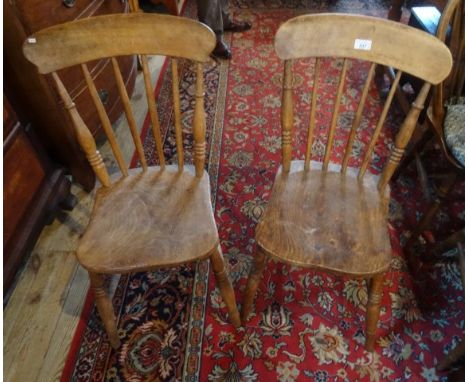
(308, 325)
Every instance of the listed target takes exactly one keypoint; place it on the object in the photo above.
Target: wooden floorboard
(74, 298)
(43, 311)
(32, 321)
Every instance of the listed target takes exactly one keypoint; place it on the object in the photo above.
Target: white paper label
(362, 44)
(32, 40)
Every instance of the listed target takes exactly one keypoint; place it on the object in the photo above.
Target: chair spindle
(403, 137)
(378, 128)
(83, 134)
(134, 7)
(153, 111)
(177, 117)
(287, 118)
(460, 83)
(357, 118)
(128, 113)
(199, 123)
(313, 104)
(331, 132)
(104, 118)
(456, 30)
(457, 83)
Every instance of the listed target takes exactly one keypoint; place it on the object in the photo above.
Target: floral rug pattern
(307, 325)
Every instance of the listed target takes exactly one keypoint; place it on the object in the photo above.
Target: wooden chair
(394, 13)
(329, 216)
(451, 31)
(149, 217)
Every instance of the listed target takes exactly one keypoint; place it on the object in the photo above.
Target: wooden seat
(339, 225)
(329, 216)
(158, 220)
(154, 216)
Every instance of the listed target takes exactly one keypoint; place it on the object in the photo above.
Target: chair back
(111, 36)
(351, 37)
(451, 30)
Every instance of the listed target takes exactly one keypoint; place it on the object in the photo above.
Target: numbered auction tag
(32, 40)
(362, 44)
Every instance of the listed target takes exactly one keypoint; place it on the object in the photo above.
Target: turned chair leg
(252, 284)
(373, 309)
(105, 309)
(444, 191)
(225, 286)
(452, 357)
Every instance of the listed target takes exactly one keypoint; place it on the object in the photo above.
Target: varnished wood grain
(313, 107)
(129, 114)
(177, 115)
(378, 127)
(324, 216)
(153, 111)
(199, 123)
(287, 116)
(403, 136)
(161, 216)
(82, 133)
(393, 44)
(373, 309)
(357, 117)
(98, 37)
(327, 221)
(224, 285)
(105, 122)
(255, 276)
(63, 286)
(149, 220)
(23, 175)
(331, 130)
(105, 309)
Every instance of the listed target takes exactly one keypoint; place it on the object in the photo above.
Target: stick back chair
(149, 217)
(451, 30)
(329, 216)
(448, 135)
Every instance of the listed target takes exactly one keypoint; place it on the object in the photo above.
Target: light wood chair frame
(335, 35)
(110, 36)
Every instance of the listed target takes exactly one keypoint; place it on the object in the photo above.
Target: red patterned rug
(308, 325)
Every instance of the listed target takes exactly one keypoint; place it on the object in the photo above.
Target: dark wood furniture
(32, 189)
(155, 216)
(34, 97)
(330, 216)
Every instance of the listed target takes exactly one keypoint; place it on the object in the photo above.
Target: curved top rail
(368, 38)
(98, 37)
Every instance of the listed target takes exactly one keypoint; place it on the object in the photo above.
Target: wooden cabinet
(32, 189)
(34, 97)
(34, 185)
